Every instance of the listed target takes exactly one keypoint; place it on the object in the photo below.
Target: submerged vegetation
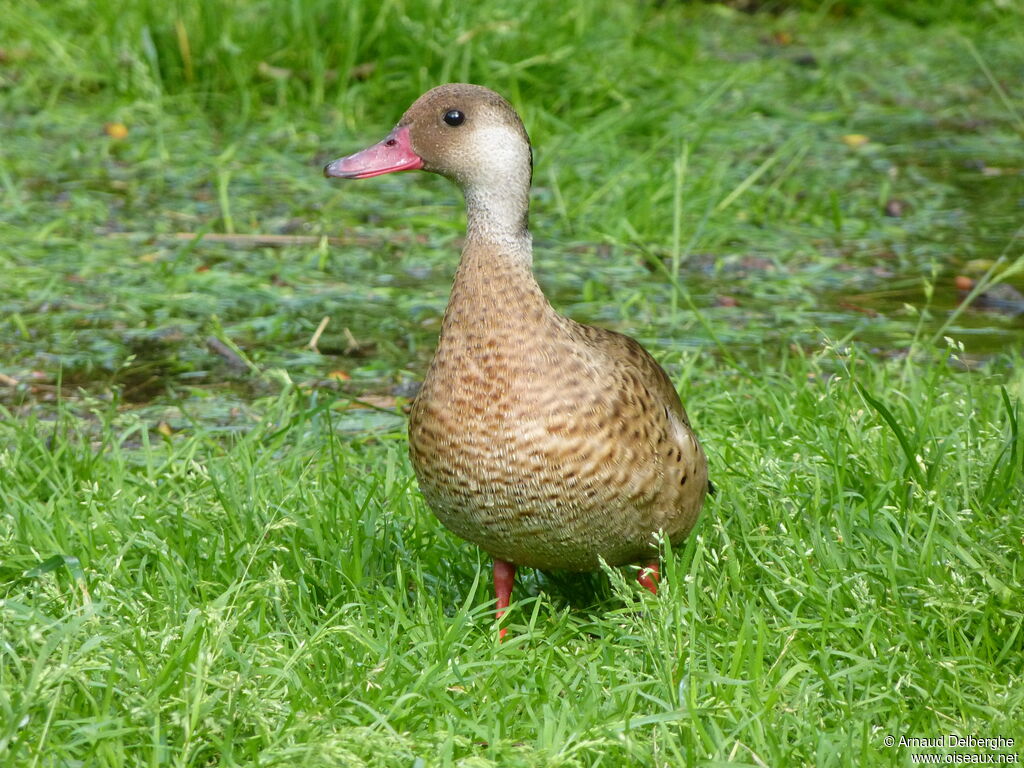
(212, 549)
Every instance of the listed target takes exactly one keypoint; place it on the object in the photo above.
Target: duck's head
(467, 133)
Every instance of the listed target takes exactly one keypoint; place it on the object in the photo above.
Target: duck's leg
(649, 576)
(504, 578)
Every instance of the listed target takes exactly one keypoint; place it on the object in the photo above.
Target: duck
(547, 443)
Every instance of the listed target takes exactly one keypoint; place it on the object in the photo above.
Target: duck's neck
(498, 207)
(495, 291)
(494, 287)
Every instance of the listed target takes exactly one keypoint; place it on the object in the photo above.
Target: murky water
(984, 230)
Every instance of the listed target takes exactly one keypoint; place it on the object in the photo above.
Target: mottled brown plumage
(547, 443)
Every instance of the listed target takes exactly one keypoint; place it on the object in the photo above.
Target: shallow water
(986, 225)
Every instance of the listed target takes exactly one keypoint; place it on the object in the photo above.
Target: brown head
(466, 133)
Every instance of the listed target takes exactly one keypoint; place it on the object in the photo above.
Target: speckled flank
(548, 443)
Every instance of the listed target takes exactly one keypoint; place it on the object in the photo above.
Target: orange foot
(504, 578)
(649, 576)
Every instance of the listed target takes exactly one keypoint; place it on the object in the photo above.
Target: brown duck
(547, 443)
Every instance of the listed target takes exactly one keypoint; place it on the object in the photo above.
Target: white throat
(497, 184)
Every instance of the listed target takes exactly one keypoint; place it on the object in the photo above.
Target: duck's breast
(544, 456)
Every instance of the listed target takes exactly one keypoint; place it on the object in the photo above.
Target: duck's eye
(454, 117)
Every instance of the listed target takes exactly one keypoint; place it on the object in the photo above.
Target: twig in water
(233, 359)
(317, 333)
(264, 240)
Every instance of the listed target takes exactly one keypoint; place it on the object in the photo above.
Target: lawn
(212, 548)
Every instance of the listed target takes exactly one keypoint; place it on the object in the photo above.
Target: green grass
(214, 562)
(287, 597)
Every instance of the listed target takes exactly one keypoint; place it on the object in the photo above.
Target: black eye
(454, 117)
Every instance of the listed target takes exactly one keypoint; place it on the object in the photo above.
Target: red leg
(649, 576)
(504, 578)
